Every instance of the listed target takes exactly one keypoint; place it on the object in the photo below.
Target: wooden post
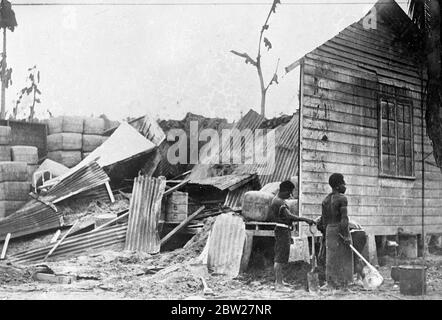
(109, 192)
(5, 246)
(3, 76)
(372, 252)
(247, 250)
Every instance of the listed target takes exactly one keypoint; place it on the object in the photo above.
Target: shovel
(372, 277)
(312, 276)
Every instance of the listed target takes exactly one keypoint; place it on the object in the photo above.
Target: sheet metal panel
(78, 244)
(224, 182)
(252, 120)
(39, 215)
(144, 214)
(226, 246)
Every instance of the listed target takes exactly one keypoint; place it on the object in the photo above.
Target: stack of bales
(14, 176)
(71, 139)
(65, 139)
(93, 129)
(28, 155)
(5, 141)
(14, 186)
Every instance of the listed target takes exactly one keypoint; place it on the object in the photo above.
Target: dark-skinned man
(284, 223)
(335, 222)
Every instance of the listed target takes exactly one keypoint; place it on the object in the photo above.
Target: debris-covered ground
(118, 274)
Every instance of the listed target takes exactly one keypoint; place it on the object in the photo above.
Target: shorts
(283, 238)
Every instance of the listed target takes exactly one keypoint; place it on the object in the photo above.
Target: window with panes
(396, 135)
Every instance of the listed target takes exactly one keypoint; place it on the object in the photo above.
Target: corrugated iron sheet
(230, 182)
(150, 129)
(234, 198)
(252, 120)
(285, 165)
(101, 239)
(144, 215)
(39, 215)
(226, 245)
(124, 144)
(86, 178)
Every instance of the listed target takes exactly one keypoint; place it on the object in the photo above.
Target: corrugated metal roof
(230, 182)
(39, 215)
(226, 245)
(252, 120)
(76, 244)
(144, 215)
(285, 164)
(150, 129)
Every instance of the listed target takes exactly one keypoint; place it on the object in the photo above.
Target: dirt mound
(12, 275)
(191, 249)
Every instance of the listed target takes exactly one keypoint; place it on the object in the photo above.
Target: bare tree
(257, 63)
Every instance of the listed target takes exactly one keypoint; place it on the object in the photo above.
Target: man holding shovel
(284, 223)
(335, 222)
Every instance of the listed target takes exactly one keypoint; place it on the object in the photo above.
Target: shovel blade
(313, 282)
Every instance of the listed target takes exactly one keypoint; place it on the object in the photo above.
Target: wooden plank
(358, 65)
(120, 217)
(55, 236)
(313, 112)
(371, 61)
(52, 278)
(374, 211)
(334, 126)
(317, 198)
(315, 145)
(109, 192)
(380, 55)
(362, 38)
(342, 108)
(181, 225)
(5, 246)
(341, 137)
(60, 241)
(340, 158)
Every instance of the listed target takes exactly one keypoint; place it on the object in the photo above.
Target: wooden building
(361, 114)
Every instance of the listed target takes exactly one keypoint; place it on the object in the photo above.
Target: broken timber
(60, 241)
(181, 225)
(5, 246)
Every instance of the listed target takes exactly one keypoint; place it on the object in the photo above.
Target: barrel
(256, 205)
(413, 280)
(177, 207)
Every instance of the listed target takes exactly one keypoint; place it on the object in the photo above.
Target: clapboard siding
(340, 132)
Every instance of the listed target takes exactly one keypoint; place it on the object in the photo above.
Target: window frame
(396, 100)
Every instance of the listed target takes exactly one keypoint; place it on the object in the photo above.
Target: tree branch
(245, 56)
(275, 76)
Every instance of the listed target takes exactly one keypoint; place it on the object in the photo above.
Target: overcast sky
(167, 58)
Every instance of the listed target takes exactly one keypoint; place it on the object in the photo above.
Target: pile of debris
(124, 198)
